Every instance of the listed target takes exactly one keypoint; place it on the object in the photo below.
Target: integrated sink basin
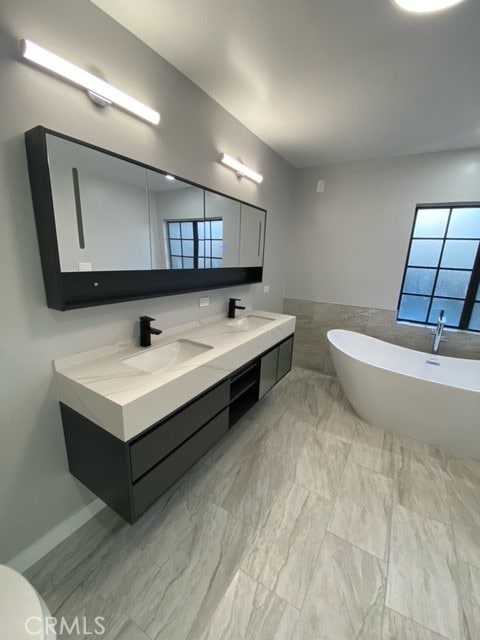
(168, 356)
(249, 323)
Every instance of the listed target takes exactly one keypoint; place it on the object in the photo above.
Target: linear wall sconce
(100, 91)
(426, 6)
(241, 169)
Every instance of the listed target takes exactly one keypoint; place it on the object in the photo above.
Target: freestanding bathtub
(431, 398)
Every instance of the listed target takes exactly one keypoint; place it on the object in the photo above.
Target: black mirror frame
(73, 290)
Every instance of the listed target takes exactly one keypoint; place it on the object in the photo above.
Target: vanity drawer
(153, 484)
(149, 449)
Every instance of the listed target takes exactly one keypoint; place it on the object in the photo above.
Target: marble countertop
(125, 401)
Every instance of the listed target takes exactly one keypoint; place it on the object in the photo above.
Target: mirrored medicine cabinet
(112, 229)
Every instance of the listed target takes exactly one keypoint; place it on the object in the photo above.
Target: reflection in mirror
(177, 222)
(222, 231)
(98, 200)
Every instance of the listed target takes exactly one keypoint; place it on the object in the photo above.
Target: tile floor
(303, 523)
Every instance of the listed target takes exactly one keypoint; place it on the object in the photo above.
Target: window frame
(196, 242)
(474, 281)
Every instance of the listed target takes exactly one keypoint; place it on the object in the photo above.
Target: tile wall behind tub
(315, 319)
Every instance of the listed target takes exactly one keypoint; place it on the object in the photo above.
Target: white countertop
(125, 401)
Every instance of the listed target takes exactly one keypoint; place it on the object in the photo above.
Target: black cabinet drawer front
(146, 452)
(285, 351)
(153, 484)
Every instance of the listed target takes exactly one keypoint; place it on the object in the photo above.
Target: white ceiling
(323, 81)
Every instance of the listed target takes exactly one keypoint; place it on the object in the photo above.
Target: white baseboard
(26, 558)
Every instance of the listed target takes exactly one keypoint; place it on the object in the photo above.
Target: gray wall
(349, 246)
(36, 490)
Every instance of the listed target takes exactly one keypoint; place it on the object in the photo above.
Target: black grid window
(443, 267)
(195, 244)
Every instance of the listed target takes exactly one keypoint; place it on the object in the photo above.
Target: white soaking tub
(431, 398)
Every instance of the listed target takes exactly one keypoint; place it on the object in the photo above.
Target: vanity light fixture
(100, 91)
(240, 169)
(426, 6)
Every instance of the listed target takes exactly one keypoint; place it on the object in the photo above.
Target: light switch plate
(204, 302)
(266, 288)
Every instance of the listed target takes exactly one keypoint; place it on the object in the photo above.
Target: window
(195, 244)
(443, 267)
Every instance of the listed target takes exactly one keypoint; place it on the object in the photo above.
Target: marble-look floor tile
(229, 454)
(202, 480)
(60, 572)
(284, 551)
(284, 441)
(362, 511)
(464, 495)
(192, 577)
(83, 616)
(124, 629)
(372, 447)
(342, 421)
(423, 573)
(265, 470)
(345, 599)
(134, 571)
(310, 396)
(253, 490)
(423, 450)
(249, 611)
(397, 627)
(281, 469)
(320, 464)
(470, 586)
(187, 551)
(420, 481)
(270, 408)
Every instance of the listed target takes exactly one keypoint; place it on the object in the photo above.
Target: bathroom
(347, 508)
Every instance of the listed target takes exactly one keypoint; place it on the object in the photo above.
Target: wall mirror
(113, 229)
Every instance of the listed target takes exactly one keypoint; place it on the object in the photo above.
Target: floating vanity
(135, 419)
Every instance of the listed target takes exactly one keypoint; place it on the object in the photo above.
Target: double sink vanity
(110, 229)
(136, 419)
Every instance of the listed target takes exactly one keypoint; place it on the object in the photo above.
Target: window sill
(432, 326)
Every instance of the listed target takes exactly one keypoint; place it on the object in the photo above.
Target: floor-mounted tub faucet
(438, 331)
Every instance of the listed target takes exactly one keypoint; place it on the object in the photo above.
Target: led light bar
(50, 61)
(240, 168)
(426, 6)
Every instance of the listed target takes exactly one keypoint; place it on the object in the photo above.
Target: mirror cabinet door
(252, 234)
(100, 208)
(177, 222)
(222, 231)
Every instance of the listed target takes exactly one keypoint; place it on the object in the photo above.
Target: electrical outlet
(84, 266)
(266, 288)
(204, 302)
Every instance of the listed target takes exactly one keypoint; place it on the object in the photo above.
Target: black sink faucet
(233, 306)
(146, 331)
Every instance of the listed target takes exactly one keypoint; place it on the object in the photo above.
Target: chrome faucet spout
(438, 331)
